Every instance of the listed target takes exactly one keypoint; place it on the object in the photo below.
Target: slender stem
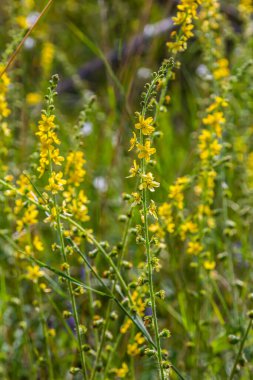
(45, 333)
(108, 311)
(240, 349)
(73, 300)
(151, 285)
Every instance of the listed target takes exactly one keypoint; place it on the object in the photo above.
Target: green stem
(45, 333)
(73, 300)
(108, 311)
(240, 350)
(151, 285)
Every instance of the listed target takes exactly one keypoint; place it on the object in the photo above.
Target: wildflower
(133, 142)
(222, 70)
(4, 110)
(46, 124)
(176, 191)
(38, 243)
(52, 217)
(133, 349)
(134, 170)
(47, 55)
(56, 183)
(186, 12)
(29, 218)
(122, 372)
(153, 209)
(209, 265)
(125, 327)
(55, 156)
(136, 199)
(194, 248)
(145, 125)
(145, 150)
(148, 182)
(139, 338)
(33, 98)
(74, 169)
(34, 273)
(188, 226)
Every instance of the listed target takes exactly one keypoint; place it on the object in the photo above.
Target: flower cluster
(186, 13)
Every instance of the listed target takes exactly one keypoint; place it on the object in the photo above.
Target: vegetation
(126, 190)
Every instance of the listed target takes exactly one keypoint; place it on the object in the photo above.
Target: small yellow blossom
(145, 125)
(134, 170)
(122, 372)
(148, 182)
(29, 218)
(56, 183)
(194, 248)
(38, 243)
(34, 273)
(133, 142)
(125, 327)
(153, 209)
(33, 98)
(145, 151)
(209, 265)
(133, 349)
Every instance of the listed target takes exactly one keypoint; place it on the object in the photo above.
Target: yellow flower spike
(145, 125)
(145, 150)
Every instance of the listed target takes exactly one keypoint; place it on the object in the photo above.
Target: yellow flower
(209, 265)
(136, 199)
(139, 338)
(75, 168)
(29, 218)
(34, 273)
(133, 142)
(145, 125)
(56, 183)
(33, 98)
(122, 372)
(47, 55)
(194, 248)
(46, 123)
(134, 170)
(38, 243)
(153, 209)
(176, 191)
(4, 110)
(188, 226)
(133, 349)
(222, 70)
(55, 156)
(148, 182)
(51, 218)
(125, 327)
(145, 150)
